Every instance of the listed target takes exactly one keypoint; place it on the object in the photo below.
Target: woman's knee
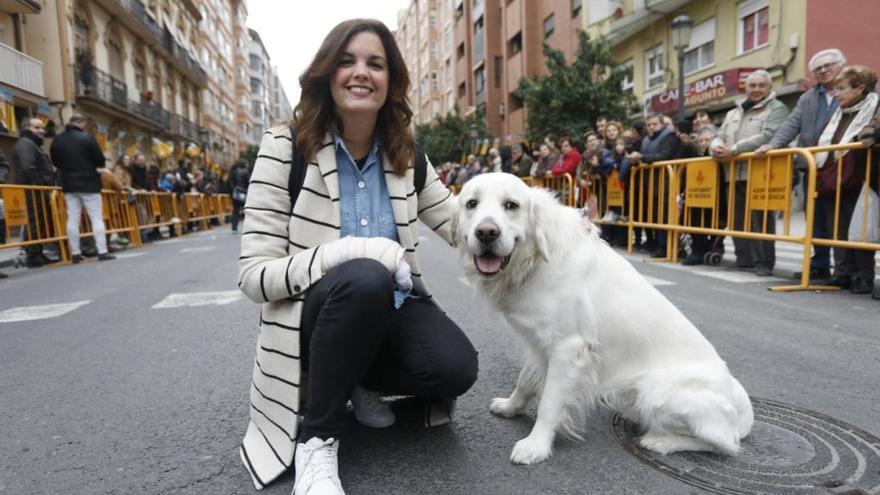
(456, 373)
(364, 278)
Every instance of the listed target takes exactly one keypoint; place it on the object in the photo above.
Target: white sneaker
(369, 410)
(317, 468)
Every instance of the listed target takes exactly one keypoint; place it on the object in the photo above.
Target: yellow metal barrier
(32, 215)
(563, 184)
(38, 214)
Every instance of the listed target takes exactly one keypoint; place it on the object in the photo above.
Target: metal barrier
(687, 196)
(562, 184)
(38, 214)
(32, 216)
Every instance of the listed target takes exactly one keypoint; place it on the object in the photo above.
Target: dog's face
(493, 220)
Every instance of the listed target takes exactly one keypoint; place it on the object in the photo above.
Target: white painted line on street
(26, 313)
(123, 256)
(736, 277)
(657, 282)
(174, 241)
(192, 299)
(203, 249)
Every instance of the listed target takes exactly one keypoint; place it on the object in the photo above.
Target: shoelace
(321, 463)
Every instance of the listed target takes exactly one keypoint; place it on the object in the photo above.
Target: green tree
(448, 137)
(570, 98)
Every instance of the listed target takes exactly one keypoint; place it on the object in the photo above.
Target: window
(700, 52)
(514, 46)
(460, 51)
(462, 90)
(498, 70)
(434, 84)
(753, 26)
(459, 10)
(480, 85)
(654, 66)
(478, 26)
(549, 26)
(514, 102)
(575, 8)
(628, 80)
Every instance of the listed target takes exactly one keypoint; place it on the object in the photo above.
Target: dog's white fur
(595, 328)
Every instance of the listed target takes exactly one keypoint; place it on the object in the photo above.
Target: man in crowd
(78, 156)
(660, 144)
(812, 112)
(139, 172)
(750, 124)
(521, 165)
(30, 166)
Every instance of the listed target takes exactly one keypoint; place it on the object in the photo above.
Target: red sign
(701, 91)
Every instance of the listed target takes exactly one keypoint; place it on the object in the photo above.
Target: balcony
(93, 84)
(637, 20)
(185, 128)
(21, 71)
(133, 14)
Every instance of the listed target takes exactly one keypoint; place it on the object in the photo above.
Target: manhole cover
(789, 451)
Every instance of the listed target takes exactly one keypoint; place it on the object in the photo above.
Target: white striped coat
(281, 258)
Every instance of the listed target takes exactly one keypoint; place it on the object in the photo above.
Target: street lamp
(681, 38)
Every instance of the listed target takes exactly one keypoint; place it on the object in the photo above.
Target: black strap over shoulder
(298, 170)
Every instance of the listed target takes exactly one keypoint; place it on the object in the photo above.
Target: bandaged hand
(381, 249)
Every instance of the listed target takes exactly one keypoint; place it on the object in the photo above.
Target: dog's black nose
(487, 232)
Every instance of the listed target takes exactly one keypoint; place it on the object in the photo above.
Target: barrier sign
(701, 188)
(15, 207)
(779, 182)
(615, 192)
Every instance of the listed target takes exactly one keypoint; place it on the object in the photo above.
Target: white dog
(595, 328)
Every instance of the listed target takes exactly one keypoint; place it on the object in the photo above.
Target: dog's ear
(541, 220)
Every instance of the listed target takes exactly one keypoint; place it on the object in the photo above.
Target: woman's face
(126, 160)
(612, 132)
(848, 95)
(359, 84)
(545, 151)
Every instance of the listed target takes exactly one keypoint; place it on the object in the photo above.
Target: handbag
(864, 229)
(826, 177)
(239, 194)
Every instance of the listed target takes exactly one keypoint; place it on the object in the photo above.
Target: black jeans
(236, 214)
(351, 334)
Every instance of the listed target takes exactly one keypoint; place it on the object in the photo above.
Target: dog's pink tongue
(488, 264)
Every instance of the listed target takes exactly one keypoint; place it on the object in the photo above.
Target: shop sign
(704, 90)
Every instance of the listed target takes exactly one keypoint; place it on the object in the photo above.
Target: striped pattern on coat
(281, 258)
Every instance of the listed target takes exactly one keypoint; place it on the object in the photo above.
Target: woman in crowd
(854, 89)
(613, 130)
(544, 163)
(337, 272)
(122, 171)
(237, 185)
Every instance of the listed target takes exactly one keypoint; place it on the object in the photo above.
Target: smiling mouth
(489, 264)
(359, 90)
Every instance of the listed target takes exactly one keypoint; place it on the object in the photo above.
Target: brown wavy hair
(315, 114)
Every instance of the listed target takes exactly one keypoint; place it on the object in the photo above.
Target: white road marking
(203, 249)
(192, 299)
(123, 256)
(657, 282)
(26, 313)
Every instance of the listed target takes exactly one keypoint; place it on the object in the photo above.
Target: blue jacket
(609, 162)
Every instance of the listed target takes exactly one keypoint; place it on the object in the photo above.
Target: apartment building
(259, 70)
(280, 111)
(727, 42)
(242, 46)
(219, 97)
(21, 73)
(471, 54)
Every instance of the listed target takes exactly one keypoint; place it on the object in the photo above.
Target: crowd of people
(76, 163)
(841, 108)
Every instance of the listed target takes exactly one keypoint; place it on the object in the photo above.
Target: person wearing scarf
(854, 88)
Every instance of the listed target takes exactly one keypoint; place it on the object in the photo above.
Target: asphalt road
(120, 396)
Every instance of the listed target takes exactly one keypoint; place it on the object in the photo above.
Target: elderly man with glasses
(814, 109)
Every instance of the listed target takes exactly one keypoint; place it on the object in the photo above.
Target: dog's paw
(504, 407)
(531, 450)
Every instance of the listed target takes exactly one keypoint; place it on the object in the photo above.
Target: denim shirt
(364, 202)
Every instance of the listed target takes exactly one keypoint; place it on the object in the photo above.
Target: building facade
(469, 55)
(728, 41)
(259, 70)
